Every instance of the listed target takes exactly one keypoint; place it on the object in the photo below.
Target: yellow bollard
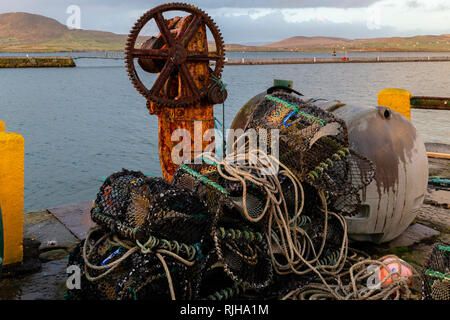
(11, 193)
(397, 100)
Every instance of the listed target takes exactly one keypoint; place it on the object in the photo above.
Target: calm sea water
(84, 123)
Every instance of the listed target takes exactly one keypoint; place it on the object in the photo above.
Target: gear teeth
(131, 41)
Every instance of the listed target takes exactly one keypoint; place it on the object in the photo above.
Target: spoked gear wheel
(175, 54)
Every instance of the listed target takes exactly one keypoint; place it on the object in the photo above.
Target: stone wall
(36, 62)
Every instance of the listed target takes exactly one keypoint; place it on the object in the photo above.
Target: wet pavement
(74, 217)
(54, 232)
(47, 284)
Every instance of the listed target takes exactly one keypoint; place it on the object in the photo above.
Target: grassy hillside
(302, 42)
(30, 32)
(416, 43)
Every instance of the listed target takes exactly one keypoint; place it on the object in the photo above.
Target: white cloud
(259, 13)
(335, 15)
(260, 19)
(252, 13)
(415, 16)
(404, 16)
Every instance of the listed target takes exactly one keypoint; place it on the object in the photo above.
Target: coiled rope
(291, 249)
(393, 285)
(153, 245)
(285, 235)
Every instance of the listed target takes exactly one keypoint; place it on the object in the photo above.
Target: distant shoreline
(23, 32)
(315, 60)
(231, 50)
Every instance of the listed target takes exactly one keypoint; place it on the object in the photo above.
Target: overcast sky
(259, 21)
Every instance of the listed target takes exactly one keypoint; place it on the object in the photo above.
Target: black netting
(313, 143)
(240, 248)
(195, 238)
(137, 206)
(244, 256)
(138, 277)
(436, 274)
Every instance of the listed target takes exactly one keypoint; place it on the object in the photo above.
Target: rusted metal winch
(186, 88)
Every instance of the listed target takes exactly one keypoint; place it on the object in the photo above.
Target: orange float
(394, 265)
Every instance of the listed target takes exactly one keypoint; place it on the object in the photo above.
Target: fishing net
(230, 228)
(240, 246)
(436, 274)
(137, 207)
(313, 143)
(363, 279)
(139, 276)
(147, 228)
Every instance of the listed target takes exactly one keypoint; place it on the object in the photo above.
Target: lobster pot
(238, 244)
(436, 274)
(139, 217)
(382, 209)
(313, 144)
(139, 277)
(137, 207)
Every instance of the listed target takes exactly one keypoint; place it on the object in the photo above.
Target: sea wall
(315, 60)
(36, 62)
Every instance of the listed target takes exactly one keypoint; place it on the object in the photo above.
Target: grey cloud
(200, 3)
(118, 16)
(413, 4)
(273, 28)
(285, 3)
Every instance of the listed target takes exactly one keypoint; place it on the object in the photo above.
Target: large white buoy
(391, 202)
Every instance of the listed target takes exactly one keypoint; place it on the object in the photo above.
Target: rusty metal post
(186, 89)
(171, 119)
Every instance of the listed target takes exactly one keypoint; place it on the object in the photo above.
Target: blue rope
(223, 85)
(220, 126)
(218, 81)
(112, 255)
(287, 118)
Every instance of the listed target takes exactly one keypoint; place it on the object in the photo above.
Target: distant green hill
(25, 32)
(416, 43)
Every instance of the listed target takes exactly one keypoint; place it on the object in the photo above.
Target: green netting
(199, 237)
(436, 275)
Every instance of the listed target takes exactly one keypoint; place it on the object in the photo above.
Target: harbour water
(84, 123)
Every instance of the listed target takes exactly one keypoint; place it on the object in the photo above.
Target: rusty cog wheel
(174, 54)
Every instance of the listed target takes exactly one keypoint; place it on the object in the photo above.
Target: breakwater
(314, 60)
(36, 62)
